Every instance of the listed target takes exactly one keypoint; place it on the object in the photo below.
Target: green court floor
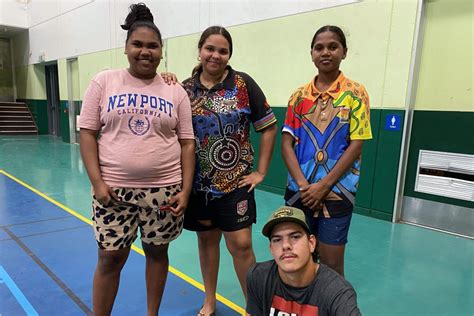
(396, 269)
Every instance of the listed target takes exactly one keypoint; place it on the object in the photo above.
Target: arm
(291, 162)
(267, 142)
(89, 153)
(345, 304)
(313, 194)
(254, 293)
(179, 202)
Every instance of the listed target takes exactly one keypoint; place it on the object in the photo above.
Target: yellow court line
(176, 272)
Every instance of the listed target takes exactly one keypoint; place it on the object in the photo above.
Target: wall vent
(446, 174)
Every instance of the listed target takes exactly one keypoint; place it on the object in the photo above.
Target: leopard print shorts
(116, 226)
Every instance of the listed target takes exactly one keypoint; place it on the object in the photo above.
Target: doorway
(74, 105)
(6, 72)
(52, 93)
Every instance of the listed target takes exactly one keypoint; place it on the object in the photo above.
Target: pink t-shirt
(140, 122)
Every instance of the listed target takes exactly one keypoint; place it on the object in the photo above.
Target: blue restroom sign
(393, 122)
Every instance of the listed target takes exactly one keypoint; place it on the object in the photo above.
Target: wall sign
(393, 122)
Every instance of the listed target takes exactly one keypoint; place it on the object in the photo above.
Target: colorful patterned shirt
(221, 121)
(323, 124)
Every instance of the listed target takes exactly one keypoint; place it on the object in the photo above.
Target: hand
(177, 204)
(252, 180)
(313, 195)
(169, 78)
(104, 194)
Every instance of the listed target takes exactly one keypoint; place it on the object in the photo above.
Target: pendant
(324, 116)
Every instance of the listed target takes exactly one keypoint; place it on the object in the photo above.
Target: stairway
(16, 119)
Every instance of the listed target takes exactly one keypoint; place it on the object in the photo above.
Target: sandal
(202, 314)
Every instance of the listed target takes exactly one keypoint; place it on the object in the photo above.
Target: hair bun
(138, 12)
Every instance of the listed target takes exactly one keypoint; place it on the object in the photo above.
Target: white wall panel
(230, 13)
(63, 29)
(69, 5)
(13, 13)
(176, 18)
(42, 10)
(45, 38)
(84, 30)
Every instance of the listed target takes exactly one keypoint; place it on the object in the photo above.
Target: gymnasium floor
(48, 253)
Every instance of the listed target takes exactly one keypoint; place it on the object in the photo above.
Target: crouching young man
(293, 284)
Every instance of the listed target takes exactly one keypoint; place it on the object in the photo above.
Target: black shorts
(231, 212)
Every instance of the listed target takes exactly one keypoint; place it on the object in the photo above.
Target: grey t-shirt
(329, 294)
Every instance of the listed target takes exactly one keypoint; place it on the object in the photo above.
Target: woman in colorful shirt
(326, 124)
(224, 103)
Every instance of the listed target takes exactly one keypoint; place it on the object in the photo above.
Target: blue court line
(17, 293)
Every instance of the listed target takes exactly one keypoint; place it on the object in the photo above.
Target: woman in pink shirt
(137, 144)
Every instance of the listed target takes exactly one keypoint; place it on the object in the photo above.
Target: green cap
(285, 214)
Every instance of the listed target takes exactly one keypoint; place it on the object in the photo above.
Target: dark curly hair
(139, 16)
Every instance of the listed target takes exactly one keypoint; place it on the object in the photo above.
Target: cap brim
(267, 229)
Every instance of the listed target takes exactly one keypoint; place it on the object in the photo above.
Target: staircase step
(17, 123)
(14, 111)
(10, 109)
(18, 118)
(17, 127)
(12, 104)
(18, 133)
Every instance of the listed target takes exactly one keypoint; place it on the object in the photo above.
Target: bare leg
(156, 273)
(239, 244)
(107, 279)
(332, 256)
(209, 254)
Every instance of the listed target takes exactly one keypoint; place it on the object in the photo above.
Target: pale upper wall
(43, 10)
(13, 13)
(276, 53)
(62, 29)
(446, 70)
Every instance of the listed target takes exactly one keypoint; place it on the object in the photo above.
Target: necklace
(324, 104)
(210, 84)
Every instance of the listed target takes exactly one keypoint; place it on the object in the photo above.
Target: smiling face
(215, 54)
(292, 247)
(327, 52)
(144, 52)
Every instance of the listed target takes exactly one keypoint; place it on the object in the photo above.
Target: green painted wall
(439, 131)
(64, 120)
(31, 89)
(447, 68)
(380, 160)
(38, 109)
(444, 107)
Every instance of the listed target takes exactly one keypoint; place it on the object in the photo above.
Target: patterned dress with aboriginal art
(323, 125)
(221, 121)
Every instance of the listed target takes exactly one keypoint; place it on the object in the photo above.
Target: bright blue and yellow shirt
(323, 125)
